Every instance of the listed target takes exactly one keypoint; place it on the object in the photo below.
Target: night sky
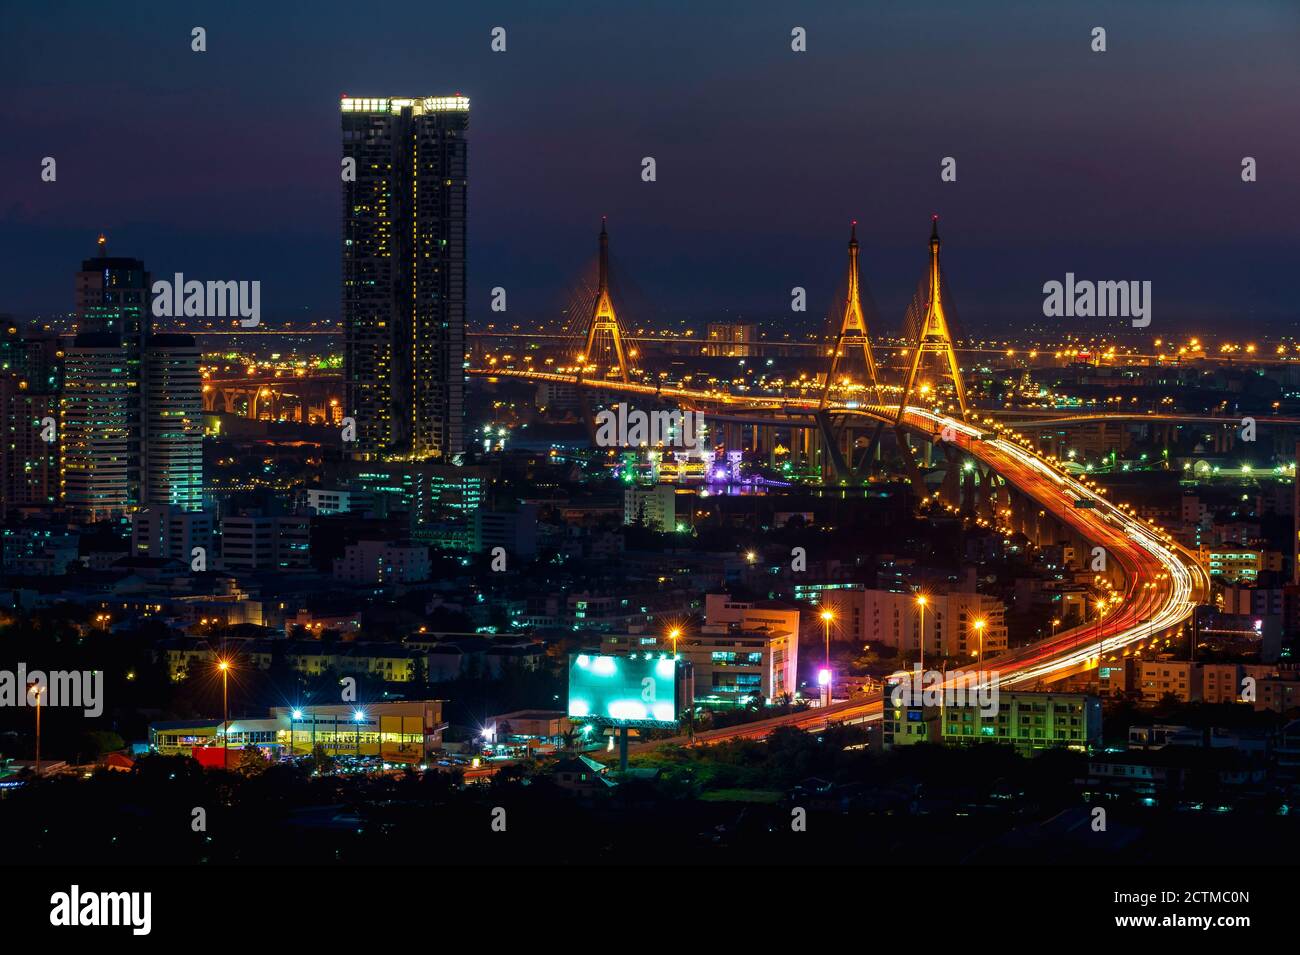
(1115, 165)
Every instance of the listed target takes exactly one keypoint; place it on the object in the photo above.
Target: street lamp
(1101, 638)
(357, 718)
(979, 631)
(35, 690)
(674, 635)
(920, 603)
(294, 716)
(827, 617)
(224, 667)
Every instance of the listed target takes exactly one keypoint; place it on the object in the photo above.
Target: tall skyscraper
(113, 297)
(29, 380)
(101, 409)
(173, 411)
(99, 429)
(404, 274)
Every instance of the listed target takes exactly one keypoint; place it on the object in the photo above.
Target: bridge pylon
(603, 320)
(853, 327)
(934, 335)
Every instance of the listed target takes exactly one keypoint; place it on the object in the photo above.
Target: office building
(325, 500)
(40, 549)
(29, 465)
(438, 499)
(99, 426)
(515, 530)
(1026, 720)
(655, 506)
(264, 542)
(745, 650)
(169, 531)
(173, 410)
(1231, 562)
(894, 619)
(404, 274)
(113, 297)
(102, 427)
(383, 562)
(731, 340)
(30, 373)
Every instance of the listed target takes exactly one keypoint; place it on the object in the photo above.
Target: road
(1163, 583)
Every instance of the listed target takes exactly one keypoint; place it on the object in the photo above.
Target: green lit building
(1028, 721)
(440, 499)
(172, 470)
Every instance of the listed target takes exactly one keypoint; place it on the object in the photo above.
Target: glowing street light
(979, 631)
(920, 637)
(674, 635)
(294, 716)
(35, 690)
(224, 667)
(828, 616)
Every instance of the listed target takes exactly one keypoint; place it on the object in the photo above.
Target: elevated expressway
(1162, 582)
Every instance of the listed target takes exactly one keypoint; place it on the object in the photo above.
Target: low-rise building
(514, 530)
(264, 542)
(405, 731)
(1231, 562)
(734, 662)
(654, 506)
(381, 562)
(1027, 720)
(895, 619)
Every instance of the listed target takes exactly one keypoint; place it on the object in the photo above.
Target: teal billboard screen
(638, 689)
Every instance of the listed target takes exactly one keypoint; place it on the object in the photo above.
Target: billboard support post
(622, 749)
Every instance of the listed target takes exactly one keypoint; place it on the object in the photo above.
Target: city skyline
(618, 435)
(1129, 189)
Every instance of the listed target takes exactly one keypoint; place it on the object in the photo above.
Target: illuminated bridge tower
(853, 327)
(933, 335)
(604, 323)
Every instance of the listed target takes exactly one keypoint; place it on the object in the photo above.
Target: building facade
(404, 274)
(381, 562)
(895, 620)
(169, 531)
(264, 542)
(173, 412)
(655, 506)
(99, 429)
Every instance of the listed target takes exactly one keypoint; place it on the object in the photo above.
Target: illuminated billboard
(638, 689)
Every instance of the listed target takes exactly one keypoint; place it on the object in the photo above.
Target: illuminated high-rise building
(404, 274)
(101, 407)
(29, 402)
(113, 298)
(173, 411)
(99, 426)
